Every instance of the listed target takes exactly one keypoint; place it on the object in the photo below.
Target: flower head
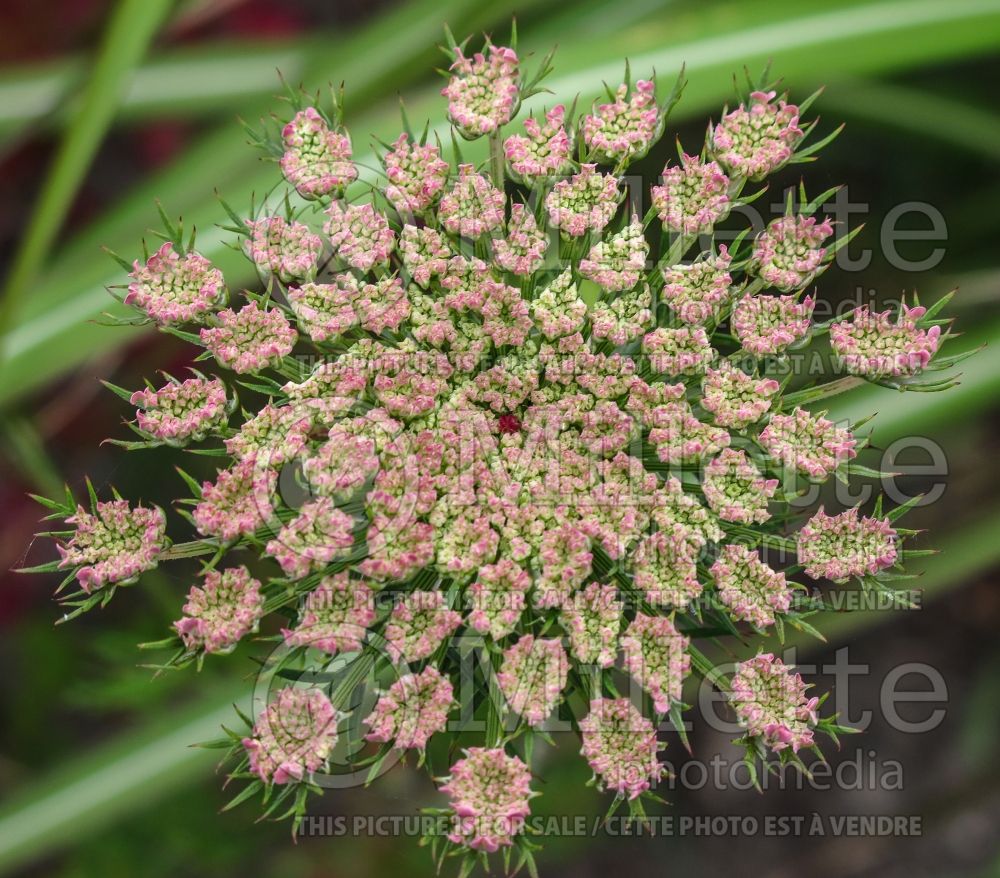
(318, 535)
(787, 254)
(872, 345)
(182, 411)
(522, 252)
(114, 543)
(771, 703)
(544, 150)
(483, 90)
(754, 142)
(360, 235)
(293, 736)
(334, 616)
(734, 398)
(620, 745)
(752, 590)
(532, 677)
(693, 196)
(418, 625)
(172, 288)
(616, 264)
(416, 175)
(497, 598)
(585, 202)
(656, 655)
(413, 709)
(238, 502)
(666, 569)
(489, 793)
(317, 160)
(808, 443)
(697, 292)
(473, 206)
(250, 339)
(767, 325)
(625, 128)
(736, 490)
(221, 612)
(840, 546)
(289, 249)
(592, 619)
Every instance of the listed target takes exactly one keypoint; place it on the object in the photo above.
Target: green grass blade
(132, 27)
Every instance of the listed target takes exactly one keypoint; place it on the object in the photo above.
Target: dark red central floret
(509, 424)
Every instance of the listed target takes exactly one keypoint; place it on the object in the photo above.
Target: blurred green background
(105, 106)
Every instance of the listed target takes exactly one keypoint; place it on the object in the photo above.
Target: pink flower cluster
(317, 160)
(335, 615)
(735, 489)
(360, 235)
(533, 676)
(625, 128)
(679, 437)
(250, 339)
(734, 398)
(770, 702)
(544, 151)
(497, 598)
(172, 288)
(319, 534)
(808, 443)
(489, 793)
(682, 351)
(872, 345)
(697, 292)
(413, 709)
(656, 656)
(522, 252)
(787, 254)
(620, 745)
(752, 590)
(114, 543)
(757, 141)
(238, 502)
(473, 206)
(483, 92)
(767, 325)
(616, 264)
(289, 249)
(693, 197)
(419, 624)
(666, 570)
(416, 175)
(840, 546)
(585, 202)
(293, 736)
(182, 411)
(221, 612)
(592, 619)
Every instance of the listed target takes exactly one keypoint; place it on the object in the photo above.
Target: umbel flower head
(873, 345)
(771, 703)
(489, 792)
(176, 288)
(413, 709)
(113, 543)
(221, 612)
(850, 544)
(620, 745)
(491, 406)
(293, 736)
(317, 160)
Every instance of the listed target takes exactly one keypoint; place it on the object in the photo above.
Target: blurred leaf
(132, 27)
